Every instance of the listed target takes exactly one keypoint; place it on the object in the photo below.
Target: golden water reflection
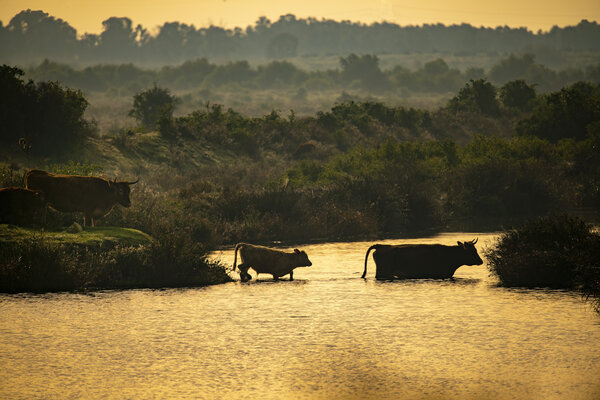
(326, 335)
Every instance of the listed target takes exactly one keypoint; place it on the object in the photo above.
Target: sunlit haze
(87, 16)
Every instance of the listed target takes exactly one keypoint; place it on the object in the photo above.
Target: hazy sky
(87, 16)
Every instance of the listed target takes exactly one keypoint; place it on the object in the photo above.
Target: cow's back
(414, 261)
(69, 193)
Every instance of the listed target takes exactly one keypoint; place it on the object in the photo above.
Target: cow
(415, 261)
(94, 196)
(19, 206)
(265, 260)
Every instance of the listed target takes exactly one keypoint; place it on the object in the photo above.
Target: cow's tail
(375, 246)
(237, 246)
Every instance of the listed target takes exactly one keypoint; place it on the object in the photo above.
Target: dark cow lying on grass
(91, 195)
(19, 206)
(413, 261)
(268, 261)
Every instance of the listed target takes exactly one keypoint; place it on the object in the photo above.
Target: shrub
(46, 116)
(556, 252)
(173, 259)
(518, 94)
(568, 113)
(152, 105)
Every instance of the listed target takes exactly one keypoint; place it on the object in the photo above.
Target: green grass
(102, 236)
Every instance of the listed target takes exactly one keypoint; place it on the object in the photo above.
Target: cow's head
(471, 257)
(121, 191)
(302, 259)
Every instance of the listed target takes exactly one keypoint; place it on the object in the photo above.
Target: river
(326, 335)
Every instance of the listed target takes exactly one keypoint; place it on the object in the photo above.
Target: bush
(518, 94)
(153, 105)
(569, 113)
(556, 252)
(44, 116)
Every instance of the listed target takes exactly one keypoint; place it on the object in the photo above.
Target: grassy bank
(100, 258)
(97, 237)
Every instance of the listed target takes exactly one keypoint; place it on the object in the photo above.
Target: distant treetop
(31, 36)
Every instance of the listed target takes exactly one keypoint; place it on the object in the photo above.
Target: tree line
(356, 72)
(31, 36)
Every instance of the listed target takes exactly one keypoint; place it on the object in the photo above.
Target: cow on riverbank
(265, 260)
(94, 196)
(19, 206)
(413, 261)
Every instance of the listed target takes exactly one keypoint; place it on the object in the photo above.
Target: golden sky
(87, 16)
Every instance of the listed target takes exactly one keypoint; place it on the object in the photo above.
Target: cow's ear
(296, 251)
(461, 244)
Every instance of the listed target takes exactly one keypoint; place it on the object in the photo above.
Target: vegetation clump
(30, 262)
(556, 252)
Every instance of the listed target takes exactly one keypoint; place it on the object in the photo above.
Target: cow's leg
(275, 277)
(291, 275)
(244, 275)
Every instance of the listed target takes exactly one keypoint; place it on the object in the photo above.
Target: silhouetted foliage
(518, 94)
(477, 96)
(569, 113)
(282, 46)
(558, 252)
(360, 73)
(47, 116)
(364, 69)
(152, 106)
(31, 36)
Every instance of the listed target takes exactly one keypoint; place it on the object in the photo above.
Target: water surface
(326, 335)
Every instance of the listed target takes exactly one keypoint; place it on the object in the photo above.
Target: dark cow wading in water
(268, 261)
(92, 195)
(415, 261)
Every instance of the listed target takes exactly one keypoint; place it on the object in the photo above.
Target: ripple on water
(327, 334)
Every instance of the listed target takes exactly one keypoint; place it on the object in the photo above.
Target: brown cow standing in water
(268, 261)
(95, 197)
(414, 261)
(19, 205)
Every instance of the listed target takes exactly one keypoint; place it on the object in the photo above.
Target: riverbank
(100, 258)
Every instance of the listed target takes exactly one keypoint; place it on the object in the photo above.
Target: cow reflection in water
(268, 261)
(415, 261)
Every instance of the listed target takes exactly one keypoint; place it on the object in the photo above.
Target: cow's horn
(475, 240)
(134, 182)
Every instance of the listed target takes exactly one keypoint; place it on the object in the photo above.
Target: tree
(152, 105)
(47, 116)
(35, 35)
(478, 96)
(118, 40)
(364, 69)
(282, 46)
(518, 94)
(511, 68)
(568, 113)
